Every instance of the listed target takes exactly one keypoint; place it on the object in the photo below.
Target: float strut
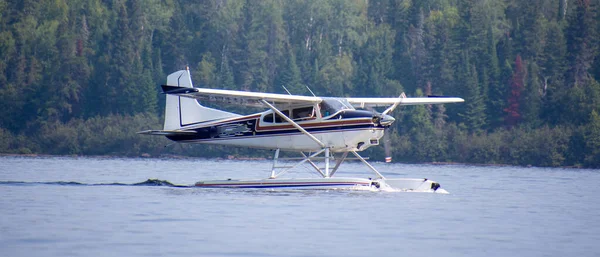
(368, 165)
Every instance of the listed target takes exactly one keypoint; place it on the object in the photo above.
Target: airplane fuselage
(319, 125)
(345, 130)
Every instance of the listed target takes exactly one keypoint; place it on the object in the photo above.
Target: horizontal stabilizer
(167, 132)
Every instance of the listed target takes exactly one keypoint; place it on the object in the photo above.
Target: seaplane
(323, 130)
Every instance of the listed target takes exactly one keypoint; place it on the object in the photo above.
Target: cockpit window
(269, 117)
(278, 118)
(330, 106)
(303, 113)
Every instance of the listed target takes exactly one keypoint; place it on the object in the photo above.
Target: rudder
(183, 111)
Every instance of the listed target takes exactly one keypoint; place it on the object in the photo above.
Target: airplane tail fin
(183, 111)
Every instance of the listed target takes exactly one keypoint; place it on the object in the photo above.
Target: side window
(268, 118)
(303, 113)
(278, 119)
(326, 110)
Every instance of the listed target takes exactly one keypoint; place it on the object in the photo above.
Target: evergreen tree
(375, 62)
(553, 70)
(532, 100)
(417, 49)
(225, 77)
(289, 76)
(121, 85)
(582, 41)
(206, 75)
(421, 129)
(474, 114)
(249, 54)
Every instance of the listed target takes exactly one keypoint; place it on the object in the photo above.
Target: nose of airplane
(386, 120)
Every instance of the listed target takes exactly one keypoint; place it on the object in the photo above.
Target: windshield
(330, 106)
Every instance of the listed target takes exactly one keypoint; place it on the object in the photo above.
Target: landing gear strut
(326, 172)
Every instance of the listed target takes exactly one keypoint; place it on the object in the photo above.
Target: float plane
(324, 130)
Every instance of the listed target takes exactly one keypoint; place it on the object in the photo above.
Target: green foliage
(82, 76)
(592, 141)
(544, 146)
(206, 77)
(474, 114)
(337, 75)
(519, 146)
(532, 97)
(582, 41)
(111, 135)
(6, 140)
(290, 76)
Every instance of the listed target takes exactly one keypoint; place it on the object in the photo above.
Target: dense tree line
(81, 76)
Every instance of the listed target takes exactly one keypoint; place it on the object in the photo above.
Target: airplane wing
(237, 97)
(376, 102)
(253, 98)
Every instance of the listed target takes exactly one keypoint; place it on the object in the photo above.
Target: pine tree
(421, 129)
(289, 75)
(249, 54)
(495, 96)
(582, 41)
(474, 115)
(417, 49)
(176, 40)
(225, 78)
(553, 68)
(8, 92)
(206, 75)
(122, 87)
(531, 100)
(374, 64)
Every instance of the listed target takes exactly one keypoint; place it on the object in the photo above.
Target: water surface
(59, 206)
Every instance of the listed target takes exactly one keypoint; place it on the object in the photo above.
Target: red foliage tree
(517, 84)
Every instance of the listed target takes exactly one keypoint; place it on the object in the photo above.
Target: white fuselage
(337, 141)
(339, 135)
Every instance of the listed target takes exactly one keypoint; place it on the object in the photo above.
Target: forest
(80, 77)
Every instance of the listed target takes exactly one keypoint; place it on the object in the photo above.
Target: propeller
(386, 138)
(387, 147)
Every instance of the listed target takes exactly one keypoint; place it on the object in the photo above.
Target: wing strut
(391, 108)
(293, 123)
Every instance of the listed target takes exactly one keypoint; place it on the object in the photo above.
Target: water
(491, 211)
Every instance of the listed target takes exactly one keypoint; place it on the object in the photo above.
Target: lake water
(490, 211)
